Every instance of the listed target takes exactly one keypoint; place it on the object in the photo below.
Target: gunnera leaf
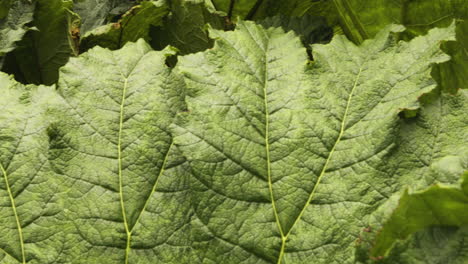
(127, 184)
(29, 193)
(286, 156)
(234, 9)
(434, 245)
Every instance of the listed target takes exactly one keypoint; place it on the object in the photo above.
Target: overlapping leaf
(436, 206)
(432, 149)
(363, 19)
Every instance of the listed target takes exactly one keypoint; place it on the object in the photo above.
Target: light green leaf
(126, 183)
(43, 51)
(363, 19)
(29, 195)
(285, 157)
(135, 24)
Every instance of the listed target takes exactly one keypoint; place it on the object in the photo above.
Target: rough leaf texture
(128, 182)
(274, 159)
(29, 203)
(297, 168)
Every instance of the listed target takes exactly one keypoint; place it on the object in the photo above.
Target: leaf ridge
(119, 158)
(267, 145)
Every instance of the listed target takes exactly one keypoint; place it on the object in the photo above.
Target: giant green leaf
(363, 19)
(133, 25)
(43, 51)
(127, 183)
(14, 15)
(286, 157)
(275, 159)
(29, 193)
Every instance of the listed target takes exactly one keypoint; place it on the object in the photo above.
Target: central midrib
(268, 160)
(325, 167)
(128, 229)
(119, 158)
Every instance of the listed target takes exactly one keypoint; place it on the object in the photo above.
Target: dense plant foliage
(222, 131)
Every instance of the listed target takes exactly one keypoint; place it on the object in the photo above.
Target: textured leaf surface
(363, 19)
(291, 153)
(29, 202)
(432, 149)
(433, 145)
(127, 198)
(135, 24)
(14, 15)
(43, 51)
(436, 206)
(435, 245)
